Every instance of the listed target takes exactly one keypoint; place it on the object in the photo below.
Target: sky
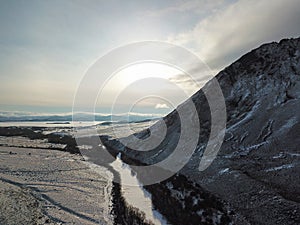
(46, 47)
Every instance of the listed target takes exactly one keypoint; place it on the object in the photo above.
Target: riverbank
(46, 186)
(182, 201)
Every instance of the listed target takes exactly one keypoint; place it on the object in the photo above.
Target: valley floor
(40, 186)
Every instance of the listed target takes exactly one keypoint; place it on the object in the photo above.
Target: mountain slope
(256, 172)
(257, 169)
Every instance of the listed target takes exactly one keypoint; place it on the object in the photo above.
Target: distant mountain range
(132, 117)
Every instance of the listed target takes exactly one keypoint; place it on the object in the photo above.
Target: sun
(144, 70)
(143, 77)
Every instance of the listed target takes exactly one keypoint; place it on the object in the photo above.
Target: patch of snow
(247, 117)
(224, 171)
(177, 194)
(294, 154)
(200, 212)
(284, 154)
(85, 147)
(195, 201)
(253, 147)
(169, 185)
(287, 166)
(290, 123)
(279, 156)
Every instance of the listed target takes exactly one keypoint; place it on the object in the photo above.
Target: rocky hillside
(256, 172)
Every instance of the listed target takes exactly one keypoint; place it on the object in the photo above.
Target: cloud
(191, 6)
(38, 68)
(161, 106)
(229, 33)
